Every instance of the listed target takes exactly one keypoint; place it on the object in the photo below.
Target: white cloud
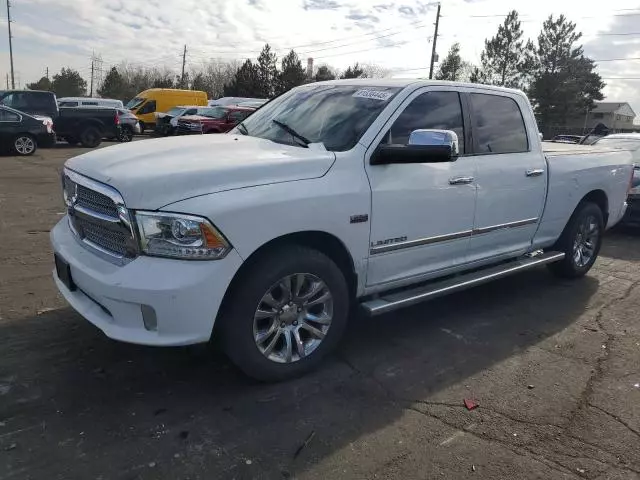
(152, 32)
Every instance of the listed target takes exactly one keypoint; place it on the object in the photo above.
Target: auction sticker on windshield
(373, 94)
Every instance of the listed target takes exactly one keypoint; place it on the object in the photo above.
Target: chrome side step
(389, 302)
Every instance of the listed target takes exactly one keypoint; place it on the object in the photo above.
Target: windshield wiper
(242, 129)
(305, 141)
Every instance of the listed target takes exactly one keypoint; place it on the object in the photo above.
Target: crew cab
(377, 193)
(212, 120)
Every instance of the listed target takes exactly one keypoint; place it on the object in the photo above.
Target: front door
(422, 214)
(511, 177)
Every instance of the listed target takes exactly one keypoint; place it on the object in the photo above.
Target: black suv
(21, 133)
(33, 102)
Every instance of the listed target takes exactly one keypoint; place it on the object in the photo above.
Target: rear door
(9, 126)
(511, 176)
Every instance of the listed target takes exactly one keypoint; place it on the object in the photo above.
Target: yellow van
(147, 103)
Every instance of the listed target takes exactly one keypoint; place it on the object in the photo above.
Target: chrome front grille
(98, 216)
(97, 202)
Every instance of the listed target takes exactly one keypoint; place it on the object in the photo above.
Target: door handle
(460, 180)
(534, 172)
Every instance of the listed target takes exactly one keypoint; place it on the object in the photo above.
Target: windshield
(135, 103)
(624, 143)
(334, 115)
(176, 111)
(215, 112)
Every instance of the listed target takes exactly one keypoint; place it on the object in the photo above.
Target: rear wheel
(288, 313)
(90, 137)
(580, 242)
(71, 140)
(24, 145)
(126, 134)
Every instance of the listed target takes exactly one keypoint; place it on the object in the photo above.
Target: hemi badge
(359, 218)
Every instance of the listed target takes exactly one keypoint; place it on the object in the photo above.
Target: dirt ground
(553, 365)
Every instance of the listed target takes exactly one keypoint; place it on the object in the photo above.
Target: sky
(396, 35)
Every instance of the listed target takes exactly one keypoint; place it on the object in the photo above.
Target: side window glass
(90, 103)
(432, 110)
(498, 125)
(148, 107)
(236, 116)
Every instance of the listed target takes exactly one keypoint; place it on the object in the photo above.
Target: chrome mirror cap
(429, 137)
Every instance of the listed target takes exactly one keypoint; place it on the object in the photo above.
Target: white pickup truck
(381, 193)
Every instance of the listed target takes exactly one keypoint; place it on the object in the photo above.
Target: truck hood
(151, 174)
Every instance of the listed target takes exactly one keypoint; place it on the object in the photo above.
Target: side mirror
(425, 146)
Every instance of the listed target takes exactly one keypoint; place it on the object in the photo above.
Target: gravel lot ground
(554, 366)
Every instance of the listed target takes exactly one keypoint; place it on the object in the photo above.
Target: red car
(213, 120)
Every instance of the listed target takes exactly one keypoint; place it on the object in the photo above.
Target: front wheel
(25, 145)
(286, 314)
(580, 242)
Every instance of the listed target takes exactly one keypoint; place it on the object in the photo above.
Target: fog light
(149, 318)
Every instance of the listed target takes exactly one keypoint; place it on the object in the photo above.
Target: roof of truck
(405, 82)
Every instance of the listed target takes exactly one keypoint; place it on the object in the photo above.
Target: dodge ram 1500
(381, 193)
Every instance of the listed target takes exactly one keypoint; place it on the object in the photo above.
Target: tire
(126, 134)
(90, 137)
(238, 325)
(24, 145)
(71, 140)
(580, 241)
(142, 127)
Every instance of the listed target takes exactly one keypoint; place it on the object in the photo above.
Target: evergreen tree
(246, 82)
(506, 59)
(565, 84)
(324, 73)
(114, 86)
(267, 73)
(353, 72)
(451, 68)
(43, 84)
(69, 83)
(292, 74)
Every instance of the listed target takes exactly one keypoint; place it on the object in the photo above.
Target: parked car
(630, 142)
(89, 102)
(212, 120)
(567, 138)
(33, 102)
(166, 123)
(377, 193)
(21, 133)
(229, 101)
(147, 103)
(87, 126)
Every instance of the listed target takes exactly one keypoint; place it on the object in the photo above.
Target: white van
(89, 102)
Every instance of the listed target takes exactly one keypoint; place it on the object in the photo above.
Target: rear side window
(148, 107)
(498, 126)
(90, 103)
(237, 116)
(68, 104)
(431, 110)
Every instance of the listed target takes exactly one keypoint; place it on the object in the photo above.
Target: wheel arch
(600, 198)
(324, 242)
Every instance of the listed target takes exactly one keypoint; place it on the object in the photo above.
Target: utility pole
(91, 94)
(13, 82)
(435, 40)
(47, 75)
(184, 61)
(7, 81)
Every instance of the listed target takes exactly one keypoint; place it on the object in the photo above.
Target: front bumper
(185, 295)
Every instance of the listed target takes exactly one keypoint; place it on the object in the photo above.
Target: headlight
(180, 236)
